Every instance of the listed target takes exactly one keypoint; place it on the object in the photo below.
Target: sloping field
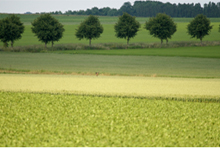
(113, 85)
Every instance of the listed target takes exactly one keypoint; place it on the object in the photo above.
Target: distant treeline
(151, 8)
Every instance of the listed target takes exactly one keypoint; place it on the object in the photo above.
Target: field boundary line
(45, 72)
(195, 99)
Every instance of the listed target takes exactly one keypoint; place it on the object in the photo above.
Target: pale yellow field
(112, 85)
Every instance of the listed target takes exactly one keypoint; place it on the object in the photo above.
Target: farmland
(162, 66)
(141, 97)
(69, 120)
(188, 88)
(200, 52)
(74, 109)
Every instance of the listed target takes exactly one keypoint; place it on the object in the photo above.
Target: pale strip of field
(112, 85)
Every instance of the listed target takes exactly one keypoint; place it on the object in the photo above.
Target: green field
(201, 52)
(113, 64)
(108, 36)
(153, 97)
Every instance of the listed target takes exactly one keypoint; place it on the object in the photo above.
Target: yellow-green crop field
(113, 85)
(36, 119)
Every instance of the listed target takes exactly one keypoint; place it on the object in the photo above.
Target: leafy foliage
(126, 27)
(127, 7)
(89, 29)
(199, 27)
(47, 29)
(11, 29)
(151, 8)
(162, 26)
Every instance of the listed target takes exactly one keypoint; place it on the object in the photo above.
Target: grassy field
(108, 36)
(67, 120)
(112, 65)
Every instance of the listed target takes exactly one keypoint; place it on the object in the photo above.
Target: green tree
(199, 27)
(90, 29)
(126, 27)
(219, 28)
(11, 29)
(127, 7)
(162, 26)
(47, 29)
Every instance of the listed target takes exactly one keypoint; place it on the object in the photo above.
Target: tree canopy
(162, 26)
(126, 27)
(11, 29)
(199, 27)
(90, 28)
(47, 29)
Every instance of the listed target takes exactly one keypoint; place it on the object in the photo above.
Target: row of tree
(48, 29)
(152, 8)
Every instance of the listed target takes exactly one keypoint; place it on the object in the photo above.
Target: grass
(48, 120)
(202, 52)
(112, 65)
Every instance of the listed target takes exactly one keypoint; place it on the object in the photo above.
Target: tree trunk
(201, 40)
(12, 44)
(5, 44)
(45, 45)
(52, 43)
(161, 42)
(90, 43)
(127, 43)
(167, 41)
